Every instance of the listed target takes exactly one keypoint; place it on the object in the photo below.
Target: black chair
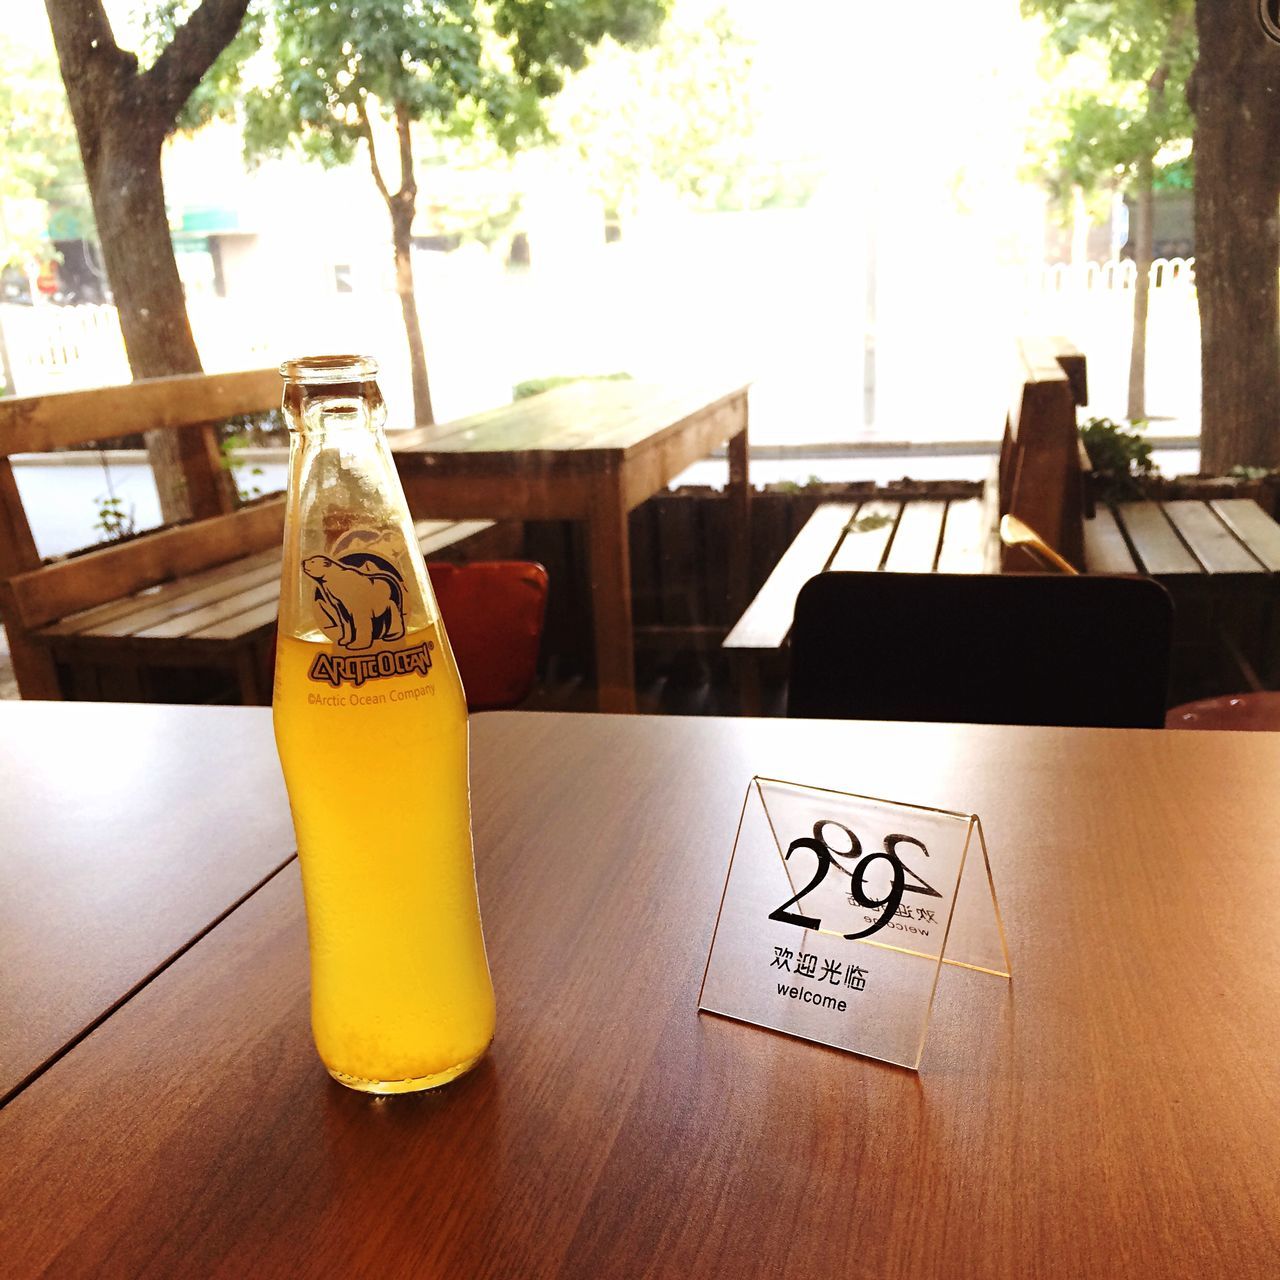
(1015, 648)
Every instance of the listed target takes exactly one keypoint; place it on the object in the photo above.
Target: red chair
(1255, 712)
(493, 611)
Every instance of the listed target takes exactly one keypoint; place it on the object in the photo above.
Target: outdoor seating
(639, 638)
(997, 649)
(493, 612)
(1218, 557)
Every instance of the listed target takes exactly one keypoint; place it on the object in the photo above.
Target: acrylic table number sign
(838, 913)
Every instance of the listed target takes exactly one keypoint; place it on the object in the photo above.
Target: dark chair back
(1000, 649)
(493, 612)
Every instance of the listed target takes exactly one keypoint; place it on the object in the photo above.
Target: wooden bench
(916, 536)
(123, 621)
(1214, 556)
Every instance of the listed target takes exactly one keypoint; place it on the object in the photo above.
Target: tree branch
(192, 51)
(367, 130)
(82, 32)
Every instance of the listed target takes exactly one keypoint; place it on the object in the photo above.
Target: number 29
(830, 859)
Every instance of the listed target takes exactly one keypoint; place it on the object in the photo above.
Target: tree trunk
(122, 117)
(128, 203)
(1142, 242)
(401, 222)
(1236, 97)
(401, 206)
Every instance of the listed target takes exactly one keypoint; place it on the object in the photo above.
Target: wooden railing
(1042, 461)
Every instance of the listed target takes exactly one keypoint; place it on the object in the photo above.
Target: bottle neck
(348, 535)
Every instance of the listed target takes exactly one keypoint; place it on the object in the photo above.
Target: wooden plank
(738, 497)
(39, 424)
(867, 536)
(96, 894)
(605, 418)
(964, 537)
(1156, 545)
(192, 604)
(767, 619)
(614, 1132)
(239, 626)
(1257, 530)
(17, 546)
(1105, 550)
(1074, 365)
(917, 538)
(1211, 541)
(170, 599)
(48, 594)
(609, 556)
(226, 613)
(435, 536)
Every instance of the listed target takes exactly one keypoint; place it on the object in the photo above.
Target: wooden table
(1114, 1112)
(591, 452)
(125, 832)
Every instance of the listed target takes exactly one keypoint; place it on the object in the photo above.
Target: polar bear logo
(361, 595)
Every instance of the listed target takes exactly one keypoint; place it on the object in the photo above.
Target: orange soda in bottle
(371, 726)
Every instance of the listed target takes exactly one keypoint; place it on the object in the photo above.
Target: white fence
(1109, 277)
(53, 348)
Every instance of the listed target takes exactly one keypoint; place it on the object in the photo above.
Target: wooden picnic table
(1109, 1114)
(1201, 545)
(920, 535)
(590, 452)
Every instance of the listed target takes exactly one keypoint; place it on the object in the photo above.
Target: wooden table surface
(590, 451)
(1113, 1112)
(125, 830)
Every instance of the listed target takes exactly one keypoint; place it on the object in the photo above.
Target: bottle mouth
(340, 368)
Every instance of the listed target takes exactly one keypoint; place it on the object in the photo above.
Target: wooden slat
(1214, 544)
(48, 594)
(1158, 549)
(965, 534)
(170, 599)
(435, 536)
(17, 546)
(227, 613)
(767, 619)
(237, 626)
(38, 424)
(867, 537)
(1105, 550)
(1257, 530)
(917, 538)
(227, 602)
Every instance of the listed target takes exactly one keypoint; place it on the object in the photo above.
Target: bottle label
(360, 602)
(338, 669)
(360, 598)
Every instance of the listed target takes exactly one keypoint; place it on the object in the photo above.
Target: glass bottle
(371, 726)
